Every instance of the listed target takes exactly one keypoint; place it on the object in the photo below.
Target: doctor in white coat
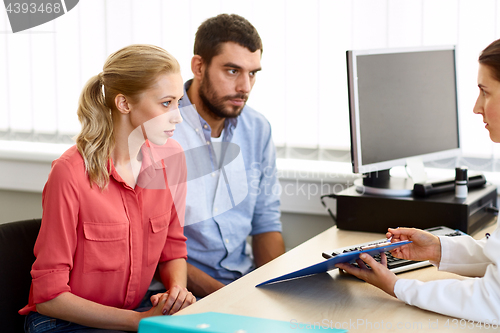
(476, 299)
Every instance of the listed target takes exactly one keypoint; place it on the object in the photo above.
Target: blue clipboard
(329, 264)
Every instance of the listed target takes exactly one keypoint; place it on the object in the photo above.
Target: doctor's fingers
(361, 264)
(400, 234)
(374, 265)
(383, 259)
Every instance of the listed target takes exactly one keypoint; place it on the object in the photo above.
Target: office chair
(17, 240)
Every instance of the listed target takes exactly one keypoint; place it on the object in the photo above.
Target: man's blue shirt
(231, 196)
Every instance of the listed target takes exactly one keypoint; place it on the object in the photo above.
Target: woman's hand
(425, 246)
(175, 299)
(157, 309)
(379, 275)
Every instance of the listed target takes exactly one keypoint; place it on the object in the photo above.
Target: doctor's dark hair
(491, 57)
(223, 28)
(129, 71)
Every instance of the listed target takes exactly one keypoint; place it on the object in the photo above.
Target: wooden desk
(331, 299)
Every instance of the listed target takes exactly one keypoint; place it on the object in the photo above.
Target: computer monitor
(403, 104)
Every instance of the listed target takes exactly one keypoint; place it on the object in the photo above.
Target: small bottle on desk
(461, 182)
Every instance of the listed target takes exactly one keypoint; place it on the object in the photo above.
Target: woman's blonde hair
(129, 71)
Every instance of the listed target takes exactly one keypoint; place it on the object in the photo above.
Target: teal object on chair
(214, 322)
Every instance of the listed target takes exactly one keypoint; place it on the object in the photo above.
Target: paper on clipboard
(329, 264)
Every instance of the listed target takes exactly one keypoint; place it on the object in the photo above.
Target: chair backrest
(17, 240)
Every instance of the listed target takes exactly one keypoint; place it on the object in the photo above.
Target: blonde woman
(113, 207)
(473, 299)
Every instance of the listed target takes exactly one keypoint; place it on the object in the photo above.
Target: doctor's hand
(379, 275)
(172, 301)
(425, 246)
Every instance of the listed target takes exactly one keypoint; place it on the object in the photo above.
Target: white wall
(303, 80)
(302, 88)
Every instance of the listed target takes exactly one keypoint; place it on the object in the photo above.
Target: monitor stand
(381, 183)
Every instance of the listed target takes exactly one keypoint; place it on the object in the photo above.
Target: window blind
(302, 89)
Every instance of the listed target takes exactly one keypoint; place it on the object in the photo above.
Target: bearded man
(233, 191)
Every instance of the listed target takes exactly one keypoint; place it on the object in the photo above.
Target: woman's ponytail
(129, 71)
(95, 141)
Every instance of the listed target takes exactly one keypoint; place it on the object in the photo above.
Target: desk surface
(331, 299)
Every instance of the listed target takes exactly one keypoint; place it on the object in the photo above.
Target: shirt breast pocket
(157, 237)
(105, 247)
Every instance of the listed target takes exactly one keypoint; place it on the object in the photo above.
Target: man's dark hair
(221, 29)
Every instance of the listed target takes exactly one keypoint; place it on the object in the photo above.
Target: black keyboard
(397, 265)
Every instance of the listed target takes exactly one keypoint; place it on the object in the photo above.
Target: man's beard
(215, 104)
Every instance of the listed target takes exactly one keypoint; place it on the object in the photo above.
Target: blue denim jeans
(37, 323)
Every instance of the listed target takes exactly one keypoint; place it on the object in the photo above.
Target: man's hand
(379, 275)
(425, 246)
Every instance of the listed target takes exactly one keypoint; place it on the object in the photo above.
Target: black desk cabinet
(361, 212)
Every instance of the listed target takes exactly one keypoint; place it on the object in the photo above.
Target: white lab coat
(475, 298)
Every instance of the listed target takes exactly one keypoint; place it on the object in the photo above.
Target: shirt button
(205, 126)
(208, 142)
(213, 174)
(227, 241)
(197, 130)
(215, 210)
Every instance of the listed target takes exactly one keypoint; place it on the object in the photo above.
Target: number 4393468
(32, 8)
(469, 324)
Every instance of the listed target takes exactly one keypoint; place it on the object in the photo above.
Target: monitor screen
(403, 104)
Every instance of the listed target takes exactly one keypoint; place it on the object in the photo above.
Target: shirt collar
(152, 159)
(112, 171)
(152, 155)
